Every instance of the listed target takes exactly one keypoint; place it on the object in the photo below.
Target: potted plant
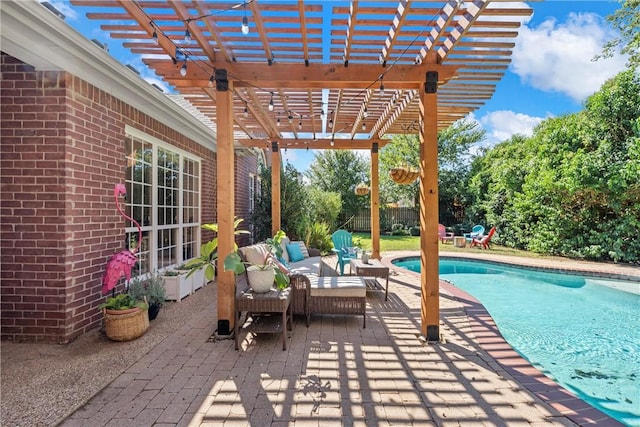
(125, 317)
(177, 284)
(262, 276)
(151, 290)
(209, 253)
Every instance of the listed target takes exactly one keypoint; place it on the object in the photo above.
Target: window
(163, 188)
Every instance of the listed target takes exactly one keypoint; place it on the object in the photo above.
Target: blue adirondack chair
(343, 248)
(476, 232)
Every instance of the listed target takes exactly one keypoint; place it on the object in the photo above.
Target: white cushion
(308, 266)
(341, 286)
(303, 248)
(255, 254)
(284, 242)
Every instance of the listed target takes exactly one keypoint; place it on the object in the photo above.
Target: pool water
(583, 332)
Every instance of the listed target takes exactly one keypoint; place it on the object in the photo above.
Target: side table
(264, 310)
(459, 241)
(372, 269)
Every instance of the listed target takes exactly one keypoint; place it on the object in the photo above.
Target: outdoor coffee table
(264, 311)
(373, 268)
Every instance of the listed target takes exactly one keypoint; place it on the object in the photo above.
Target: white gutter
(34, 35)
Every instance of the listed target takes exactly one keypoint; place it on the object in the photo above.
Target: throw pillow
(295, 254)
(303, 248)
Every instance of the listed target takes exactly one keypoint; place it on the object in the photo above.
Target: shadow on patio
(334, 372)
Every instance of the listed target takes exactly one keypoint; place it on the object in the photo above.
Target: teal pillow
(295, 253)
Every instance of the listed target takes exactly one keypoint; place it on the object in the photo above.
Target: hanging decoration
(362, 189)
(404, 174)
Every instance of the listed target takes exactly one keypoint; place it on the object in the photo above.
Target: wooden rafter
(340, 41)
(401, 14)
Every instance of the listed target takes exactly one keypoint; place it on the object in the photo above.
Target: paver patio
(337, 373)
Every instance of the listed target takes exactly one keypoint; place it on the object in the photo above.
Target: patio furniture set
(475, 237)
(314, 288)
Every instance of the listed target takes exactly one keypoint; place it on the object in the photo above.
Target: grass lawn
(412, 243)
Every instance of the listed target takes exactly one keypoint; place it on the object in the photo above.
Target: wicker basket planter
(404, 175)
(361, 189)
(125, 325)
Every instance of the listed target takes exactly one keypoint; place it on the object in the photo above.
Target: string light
(381, 87)
(290, 117)
(187, 36)
(278, 121)
(333, 141)
(365, 113)
(212, 80)
(246, 110)
(364, 126)
(271, 102)
(300, 123)
(245, 21)
(183, 69)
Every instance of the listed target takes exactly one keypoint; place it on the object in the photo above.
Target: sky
(551, 73)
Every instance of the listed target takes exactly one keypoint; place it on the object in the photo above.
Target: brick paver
(336, 373)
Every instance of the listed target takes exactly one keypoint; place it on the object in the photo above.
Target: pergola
(323, 75)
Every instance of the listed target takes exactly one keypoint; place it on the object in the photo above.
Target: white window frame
(154, 228)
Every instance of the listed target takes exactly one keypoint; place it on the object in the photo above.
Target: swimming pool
(584, 332)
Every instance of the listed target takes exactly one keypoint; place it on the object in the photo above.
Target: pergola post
(375, 202)
(275, 188)
(225, 184)
(430, 302)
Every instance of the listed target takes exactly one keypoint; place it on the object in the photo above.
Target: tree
(324, 207)
(294, 205)
(339, 171)
(627, 21)
(572, 188)
(453, 166)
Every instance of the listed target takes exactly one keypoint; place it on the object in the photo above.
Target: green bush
(318, 237)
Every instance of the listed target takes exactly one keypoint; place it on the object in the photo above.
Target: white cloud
(502, 125)
(557, 57)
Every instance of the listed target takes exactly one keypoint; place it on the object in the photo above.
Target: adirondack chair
(444, 235)
(483, 241)
(476, 232)
(343, 248)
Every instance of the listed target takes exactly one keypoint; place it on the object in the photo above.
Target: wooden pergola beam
(326, 76)
(316, 144)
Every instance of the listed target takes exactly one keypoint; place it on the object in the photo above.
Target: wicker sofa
(316, 288)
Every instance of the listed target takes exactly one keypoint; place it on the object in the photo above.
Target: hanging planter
(361, 189)
(404, 175)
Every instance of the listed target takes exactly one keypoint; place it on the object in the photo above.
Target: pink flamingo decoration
(121, 263)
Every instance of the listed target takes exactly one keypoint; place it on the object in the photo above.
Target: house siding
(62, 152)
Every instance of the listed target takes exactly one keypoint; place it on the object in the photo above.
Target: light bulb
(187, 36)
(246, 111)
(381, 89)
(155, 37)
(183, 69)
(365, 113)
(245, 25)
(333, 142)
(364, 126)
(271, 103)
(300, 124)
(211, 81)
(278, 122)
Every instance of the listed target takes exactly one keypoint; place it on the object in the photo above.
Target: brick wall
(62, 152)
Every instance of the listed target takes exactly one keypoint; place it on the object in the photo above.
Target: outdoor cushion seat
(342, 286)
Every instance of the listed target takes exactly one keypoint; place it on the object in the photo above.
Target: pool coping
(485, 332)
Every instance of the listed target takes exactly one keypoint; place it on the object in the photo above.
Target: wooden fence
(388, 216)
